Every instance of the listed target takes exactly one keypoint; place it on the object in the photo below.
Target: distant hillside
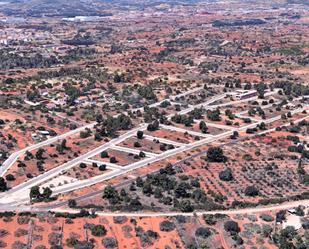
(62, 8)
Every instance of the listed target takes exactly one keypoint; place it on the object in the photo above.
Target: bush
(109, 242)
(203, 232)
(167, 226)
(98, 230)
(231, 226)
(226, 175)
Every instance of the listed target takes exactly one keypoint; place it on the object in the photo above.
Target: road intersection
(19, 195)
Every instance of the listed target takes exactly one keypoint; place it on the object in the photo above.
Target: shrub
(203, 232)
(167, 226)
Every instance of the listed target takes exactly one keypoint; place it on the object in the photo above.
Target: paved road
(174, 128)
(163, 140)
(58, 170)
(108, 165)
(126, 182)
(133, 151)
(13, 157)
(80, 184)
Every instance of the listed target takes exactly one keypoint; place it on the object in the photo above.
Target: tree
(251, 191)
(47, 193)
(71, 242)
(215, 154)
(39, 154)
(137, 144)
(186, 206)
(113, 160)
(153, 126)
(10, 177)
(98, 231)
(226, 175)
(142, 154)
(262, 126)
(104, 154)
(283, 116)
(35, 193)
(260, 88)
(140, 134)
(83, 165)
(3, 185)
(203, 127)
(72, 203)
(167, 226)
(111, 194)
(203, 232)
(214, 115)
(102, 167)
(109, 242)
(231, 226)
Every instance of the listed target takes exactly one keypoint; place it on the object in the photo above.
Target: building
(246, 95)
